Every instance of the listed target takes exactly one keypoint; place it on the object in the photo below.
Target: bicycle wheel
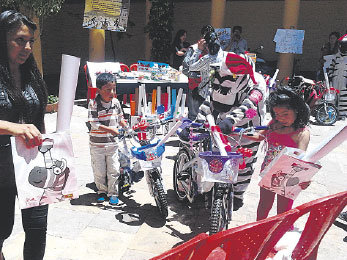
(182, 158)
(326, 114)
(219, 212)
(159, 193)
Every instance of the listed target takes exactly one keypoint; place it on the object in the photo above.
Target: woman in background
(179, 47)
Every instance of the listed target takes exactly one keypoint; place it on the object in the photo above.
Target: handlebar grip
(257, 128)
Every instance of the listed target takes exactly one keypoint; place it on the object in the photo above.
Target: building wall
(63, 33)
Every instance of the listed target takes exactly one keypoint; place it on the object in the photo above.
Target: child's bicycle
(148, 150)
(199, 170)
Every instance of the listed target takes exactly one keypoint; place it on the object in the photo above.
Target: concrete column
(148, 42)
(217, 13)
(96, 45)
(290, 21)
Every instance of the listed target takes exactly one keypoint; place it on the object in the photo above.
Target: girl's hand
(28, 132)
(304, 185)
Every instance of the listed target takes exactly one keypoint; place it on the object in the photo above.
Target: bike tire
(219, 214)
(182, 158)
(326, 119)
(160, 196)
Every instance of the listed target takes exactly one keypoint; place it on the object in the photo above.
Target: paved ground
(82, 229)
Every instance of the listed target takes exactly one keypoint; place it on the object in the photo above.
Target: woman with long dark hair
(179, 47)
(23, 98)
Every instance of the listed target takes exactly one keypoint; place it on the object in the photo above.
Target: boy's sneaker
(114, 200)
(101, 197)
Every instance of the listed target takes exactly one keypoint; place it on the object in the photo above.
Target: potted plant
(52, 104)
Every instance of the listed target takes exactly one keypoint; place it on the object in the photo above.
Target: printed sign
(289, 40)
(44, 174)
(224, 36)
(109, 15)
(287, 175)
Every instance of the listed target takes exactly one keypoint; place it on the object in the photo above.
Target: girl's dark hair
(285, 96)
(103, 79)
(177, 39)
(13, 20)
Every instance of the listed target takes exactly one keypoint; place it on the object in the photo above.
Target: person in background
(337, 73)
(194, 79)
(23, 98)
(237, 44)
(179, 47)
(105, 116)
(288, 128)
(329, 48)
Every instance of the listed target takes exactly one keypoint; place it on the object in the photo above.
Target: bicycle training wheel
(326, 114)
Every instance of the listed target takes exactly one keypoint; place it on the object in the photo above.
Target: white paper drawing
(44, 174)
(287, 175)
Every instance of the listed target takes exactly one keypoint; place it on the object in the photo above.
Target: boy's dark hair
(104, 78)
(285, 96)
(237, 27)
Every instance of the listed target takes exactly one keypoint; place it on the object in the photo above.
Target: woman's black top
(177, 60)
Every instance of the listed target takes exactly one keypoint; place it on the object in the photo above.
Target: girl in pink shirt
(288, 128)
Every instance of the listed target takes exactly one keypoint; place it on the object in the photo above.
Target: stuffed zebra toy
(237, 99)
(338, 74)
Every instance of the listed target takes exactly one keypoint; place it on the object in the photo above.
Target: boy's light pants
(105, 164)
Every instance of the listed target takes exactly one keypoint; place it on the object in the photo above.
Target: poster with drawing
(287, 175)
(44, 174)
(289, 41)
(224, 36)
(109, 15)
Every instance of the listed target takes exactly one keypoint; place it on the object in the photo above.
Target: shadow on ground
(128, 211)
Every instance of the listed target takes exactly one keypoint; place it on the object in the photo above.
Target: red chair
(124, 67)
(133, 67)
(323, 213)
(188, 250)
(256, 240)
(250, 241)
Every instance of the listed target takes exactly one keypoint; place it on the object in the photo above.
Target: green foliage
(160, 29)
(51, 99)
(39, 7)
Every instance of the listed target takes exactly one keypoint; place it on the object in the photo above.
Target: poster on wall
(111, 15)
(289, 41)
(44, 174)
(224, 36)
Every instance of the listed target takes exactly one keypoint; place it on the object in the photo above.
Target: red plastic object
(188, 250)
(251, 241)
(256, 240)
(323, 213)
(133, 67)
(124, 67)
(92, 92)
(124, 98)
